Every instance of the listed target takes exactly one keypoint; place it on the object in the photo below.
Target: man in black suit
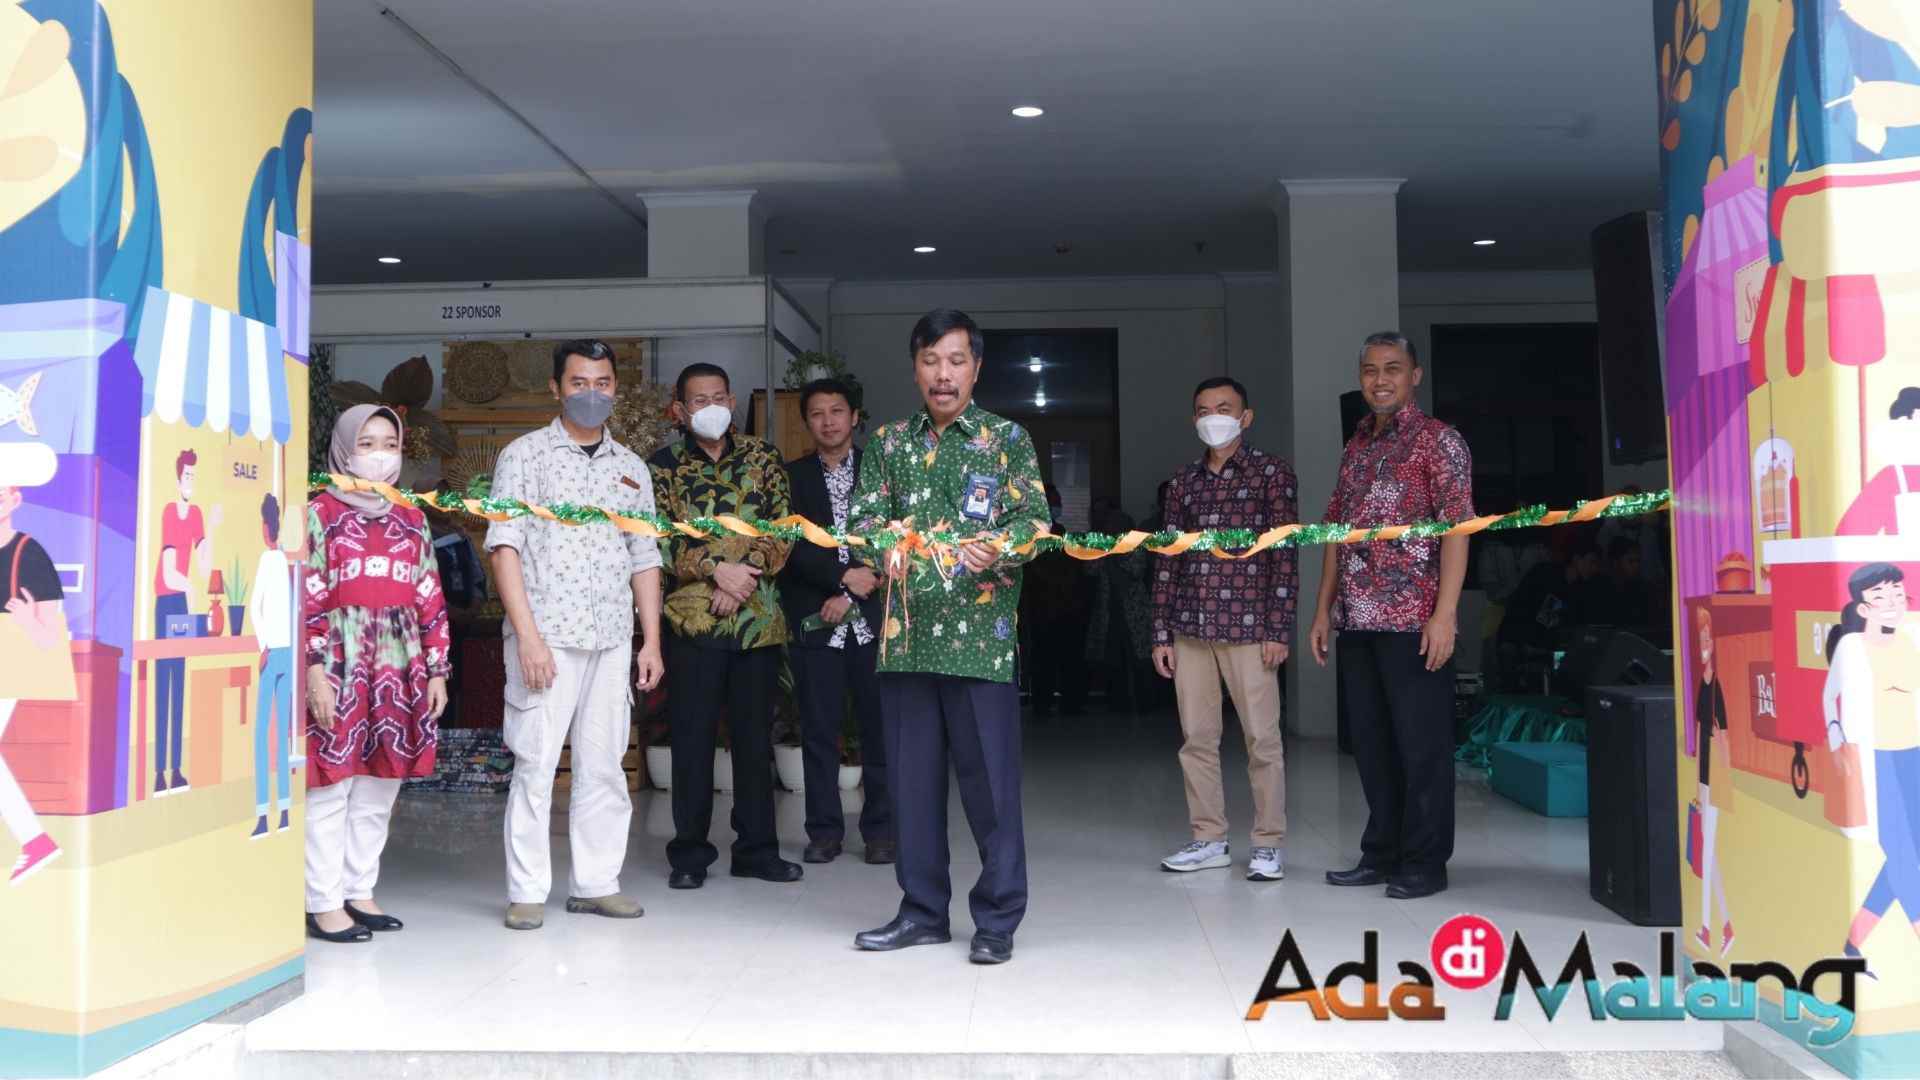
(833, 602)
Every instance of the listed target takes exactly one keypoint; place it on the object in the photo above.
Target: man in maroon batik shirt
(1395, 606)
(1227, 620)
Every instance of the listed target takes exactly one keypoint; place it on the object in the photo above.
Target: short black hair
(591, 348)
(940, 322)
(824, 386)
(270, 517)
(1905, 404)
(696, 371)
(1219, 381)
(1391, 339)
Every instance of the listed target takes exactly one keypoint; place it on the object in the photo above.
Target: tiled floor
(1114, 957)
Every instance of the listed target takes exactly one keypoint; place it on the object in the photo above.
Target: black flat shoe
(1415, 886)
(376, 923)
(821, 853)
(901, 933)
(350, 935)
(686, 879)
(1358, 876)
(779, 871)
(991, 949)
(881, 852)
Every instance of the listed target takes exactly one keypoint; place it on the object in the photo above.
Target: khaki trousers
(1199, 669)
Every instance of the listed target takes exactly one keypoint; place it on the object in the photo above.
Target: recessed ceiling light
(925, 249)
(1485, 243)
(390, 260)
(1028, 112)
(1033, 364)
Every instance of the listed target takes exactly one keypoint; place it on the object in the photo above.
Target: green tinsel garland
(883, 540)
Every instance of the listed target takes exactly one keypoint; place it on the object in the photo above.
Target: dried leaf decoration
(1692, 19)
(1684, 88)
(1670, 138)
(1687, 234)
(1697, 50)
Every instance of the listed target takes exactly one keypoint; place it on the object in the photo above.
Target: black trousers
(699, 680)
(931, 721)
(823, 677)
(1400, 718)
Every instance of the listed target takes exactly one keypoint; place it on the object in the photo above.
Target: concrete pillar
(1340, 280)
(1791, 167)
(704, 234)
(154, 251)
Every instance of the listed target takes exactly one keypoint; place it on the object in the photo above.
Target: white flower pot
(817, 371)
(660, 767)
(849, 777)
(723, 771)
(791, 767)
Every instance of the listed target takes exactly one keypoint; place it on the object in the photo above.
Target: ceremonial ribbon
(939, 544)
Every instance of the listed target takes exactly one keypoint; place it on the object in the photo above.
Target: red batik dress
(377, 621)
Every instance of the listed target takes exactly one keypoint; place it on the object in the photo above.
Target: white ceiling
(870, 126)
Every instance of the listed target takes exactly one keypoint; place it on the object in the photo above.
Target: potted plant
(237, 592)
(806, 367)
(789, 764)
(659, 738)
(723, 758)
(849, 749)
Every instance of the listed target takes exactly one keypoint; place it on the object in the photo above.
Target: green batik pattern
(956, 623)
(748, 481)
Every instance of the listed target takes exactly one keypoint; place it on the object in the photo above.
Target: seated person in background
(1623, 597)
(1554, 596)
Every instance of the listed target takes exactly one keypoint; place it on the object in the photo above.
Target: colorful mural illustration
(1790, 132)
(153, 302)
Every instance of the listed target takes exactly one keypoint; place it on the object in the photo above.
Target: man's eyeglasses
(695, 404)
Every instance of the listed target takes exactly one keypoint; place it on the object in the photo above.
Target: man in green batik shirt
(726, 629)
(947, 652)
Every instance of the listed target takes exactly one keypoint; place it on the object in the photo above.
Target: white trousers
(14, 808)
(590, 699)
(346, 831)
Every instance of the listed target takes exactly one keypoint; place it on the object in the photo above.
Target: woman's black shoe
(376, 923)
(348, 936)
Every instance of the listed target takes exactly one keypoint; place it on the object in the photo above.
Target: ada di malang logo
(1469, 952)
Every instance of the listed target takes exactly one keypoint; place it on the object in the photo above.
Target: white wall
(1172, 334)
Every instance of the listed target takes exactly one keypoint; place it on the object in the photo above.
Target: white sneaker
(1265, 865)
(1199, 855)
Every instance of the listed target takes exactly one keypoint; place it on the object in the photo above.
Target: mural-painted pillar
(153, 299)
(1790, 136)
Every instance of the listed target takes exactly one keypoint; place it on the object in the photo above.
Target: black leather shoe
(1415, 886)
(1359, 875)
(779, 871)
(881, 852)
(821, 853)
(685, 879)
(376, 923)
(991, 949)
(348, 936)
(901, 933)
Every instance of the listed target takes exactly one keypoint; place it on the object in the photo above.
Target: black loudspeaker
(1353, 409)
(1632, 318)
(1633, 853)
(1603, 656)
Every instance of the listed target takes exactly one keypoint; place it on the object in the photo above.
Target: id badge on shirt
(977, 502)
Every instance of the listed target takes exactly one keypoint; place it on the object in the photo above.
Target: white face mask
(711, 422)
(1216, 430)
(381, 466)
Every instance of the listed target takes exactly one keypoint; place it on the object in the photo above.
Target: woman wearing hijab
(376, 632)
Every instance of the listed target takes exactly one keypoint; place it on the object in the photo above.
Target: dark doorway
(1063, 387)
(1527, 399)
